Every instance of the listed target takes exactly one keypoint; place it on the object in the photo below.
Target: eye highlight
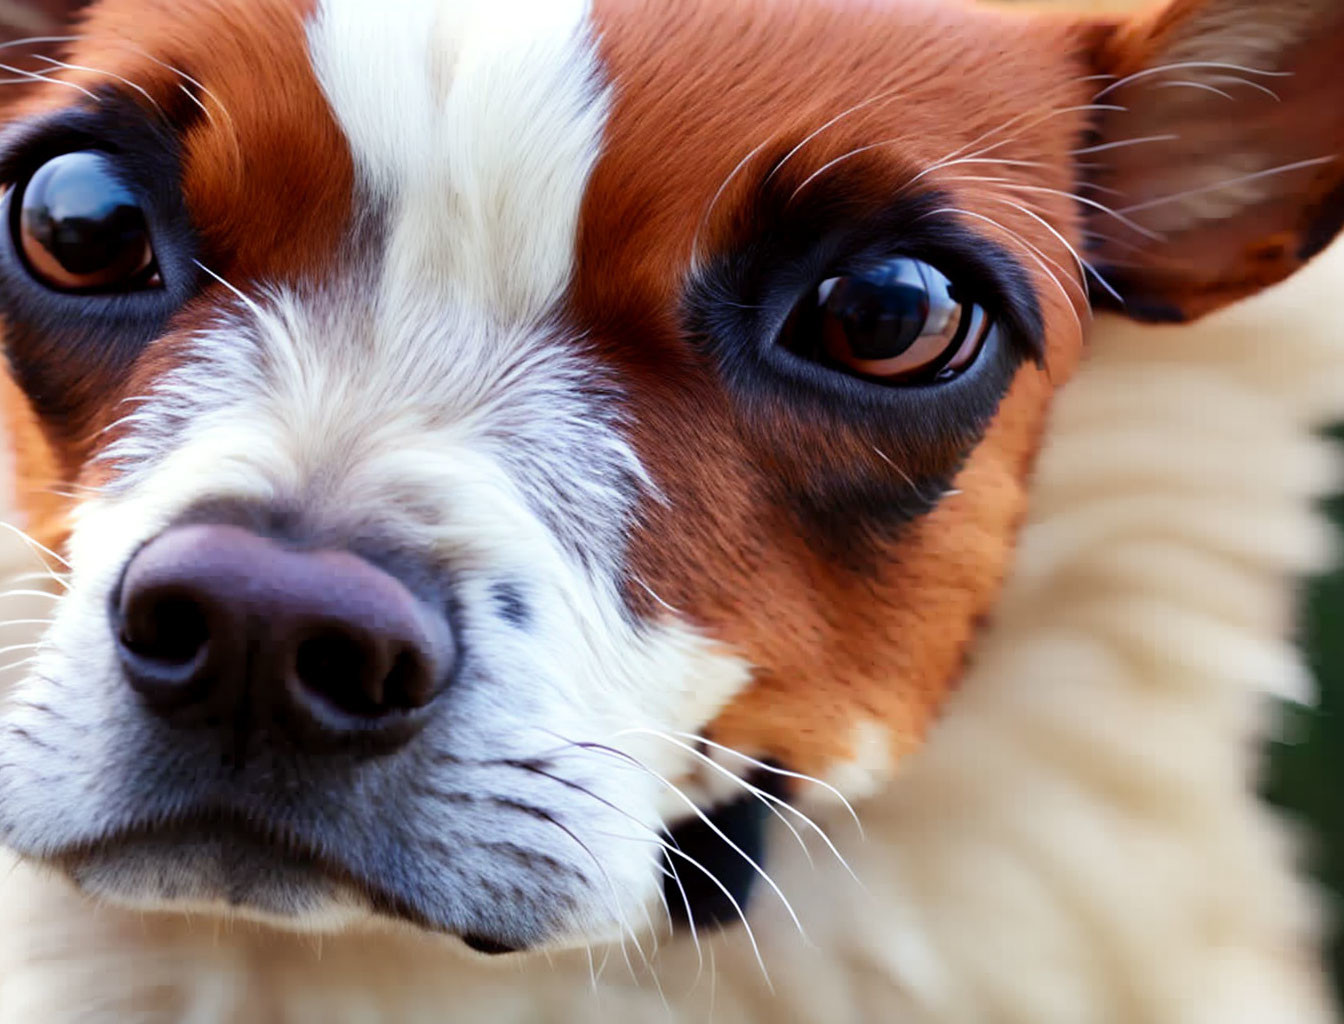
(80, 229)
(898, 322)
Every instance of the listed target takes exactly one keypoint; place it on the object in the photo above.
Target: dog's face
(475, 420)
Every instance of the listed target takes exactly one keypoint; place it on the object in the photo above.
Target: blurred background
(1304, 767)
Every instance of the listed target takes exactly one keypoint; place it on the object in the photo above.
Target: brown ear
(1219, 155)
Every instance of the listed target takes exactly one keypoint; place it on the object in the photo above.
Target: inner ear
(1215, 169)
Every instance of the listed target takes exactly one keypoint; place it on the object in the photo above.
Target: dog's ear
(1217, 167)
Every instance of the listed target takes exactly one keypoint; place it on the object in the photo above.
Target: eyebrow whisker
(110, 74)
(709, 210)
(38, 77)
(879, 98)
(1185, 65)
(1084, 266)
(1029, 250)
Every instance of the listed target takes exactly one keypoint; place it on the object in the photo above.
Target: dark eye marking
(865, 343)
(99, 252)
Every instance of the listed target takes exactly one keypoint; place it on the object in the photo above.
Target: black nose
(217, 624)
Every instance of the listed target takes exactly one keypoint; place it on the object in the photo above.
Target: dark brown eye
(897, 322)
(81, 230)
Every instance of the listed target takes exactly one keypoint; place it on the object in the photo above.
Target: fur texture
(1078, 843)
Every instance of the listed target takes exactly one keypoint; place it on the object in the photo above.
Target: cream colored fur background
(1079, 844)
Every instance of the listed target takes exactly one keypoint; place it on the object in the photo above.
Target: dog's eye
(896, 322)
(80, 229)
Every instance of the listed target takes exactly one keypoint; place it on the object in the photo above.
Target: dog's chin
(228, 874)
(235, 873)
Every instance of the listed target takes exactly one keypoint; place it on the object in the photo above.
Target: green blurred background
(1306, 767)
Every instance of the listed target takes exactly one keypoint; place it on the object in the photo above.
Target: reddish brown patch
(697, 86)
(37, 484)
(267, 175)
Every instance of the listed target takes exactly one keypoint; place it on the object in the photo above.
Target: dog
(529, 492)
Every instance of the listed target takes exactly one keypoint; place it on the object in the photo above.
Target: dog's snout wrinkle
(219, 625)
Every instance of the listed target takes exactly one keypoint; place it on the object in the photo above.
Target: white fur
(480, 123)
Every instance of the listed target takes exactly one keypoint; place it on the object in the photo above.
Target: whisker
(1242, 180)
(714, 202)
(570, 784)
(706, 820)
(675, 848)
(592, 972)
(252, 306)
(1031, 251)
(880, 97)
(1258, 86)
(194, 82)
(135, 417)
(39, 41)
(72, 493)
(1101, 236)
(1084, 267)
(1182, 65)
(1201, 86)
(28, 539)
(768, 798)
(782, 772)
(45, 573)
(201, 87)
(1119, 215)
(36, 77)
(110, 74)
(1105, 190)
(903, 474)
(616, 901)
(1125, 143)
(958, 154)
(678, 852)
(649, 590)
(955, 157)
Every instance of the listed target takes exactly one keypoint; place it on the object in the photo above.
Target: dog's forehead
(476, 126)
(483, 122)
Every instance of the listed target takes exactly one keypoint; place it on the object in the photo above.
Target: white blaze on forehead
(478, 122)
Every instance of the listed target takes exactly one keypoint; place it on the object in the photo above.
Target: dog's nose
(218, 624)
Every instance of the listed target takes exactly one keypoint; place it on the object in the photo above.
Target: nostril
(410, 683)
(346, 670)
(332, 663)
(167, 627)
